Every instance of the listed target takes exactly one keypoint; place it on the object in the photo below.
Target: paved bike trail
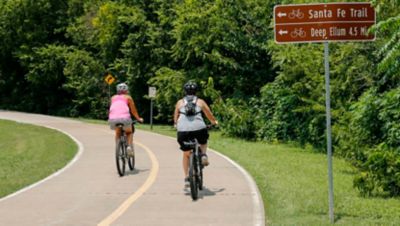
(88, 191)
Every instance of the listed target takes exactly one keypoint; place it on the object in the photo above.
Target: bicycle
(121, 155)
(298, 33)
(296, 14)
(195, 168)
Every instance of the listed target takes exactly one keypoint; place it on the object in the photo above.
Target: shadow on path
(135, 171)
(205, 192)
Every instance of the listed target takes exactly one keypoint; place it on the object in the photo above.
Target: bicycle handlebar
(211, 126)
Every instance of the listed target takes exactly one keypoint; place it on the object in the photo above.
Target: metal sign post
(328, 131)
(152, 95)
(304, 23)
(151, 114)
(109, 79)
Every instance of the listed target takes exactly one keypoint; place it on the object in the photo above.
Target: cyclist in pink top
(121, 108)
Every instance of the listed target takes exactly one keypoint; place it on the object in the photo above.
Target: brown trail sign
(324, 22)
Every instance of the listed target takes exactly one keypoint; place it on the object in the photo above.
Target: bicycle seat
(190, 144)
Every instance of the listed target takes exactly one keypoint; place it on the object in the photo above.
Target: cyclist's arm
(176, 112)
(133, 109)
(207, 112)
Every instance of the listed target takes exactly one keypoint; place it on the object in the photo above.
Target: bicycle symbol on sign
(296, 13)
(298, 32)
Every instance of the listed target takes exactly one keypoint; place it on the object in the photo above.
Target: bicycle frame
(121, 155)
(195, 169)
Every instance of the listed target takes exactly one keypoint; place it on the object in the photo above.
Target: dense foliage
(55, 54)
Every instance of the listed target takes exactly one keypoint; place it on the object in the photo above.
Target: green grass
(30, 153)
(294, 184)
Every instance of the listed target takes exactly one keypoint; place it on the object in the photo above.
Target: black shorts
(200, 135)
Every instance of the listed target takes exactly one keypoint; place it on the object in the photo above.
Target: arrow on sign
(281, 14)
(281, 32)
(109, 79)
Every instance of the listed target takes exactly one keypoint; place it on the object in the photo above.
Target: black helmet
(190, 88)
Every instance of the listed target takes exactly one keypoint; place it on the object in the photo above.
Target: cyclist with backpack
(190, 124)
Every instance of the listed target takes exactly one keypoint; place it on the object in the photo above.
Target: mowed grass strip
(294, 184)
(30, 153)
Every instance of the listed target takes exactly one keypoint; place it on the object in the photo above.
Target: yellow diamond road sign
(109, 79)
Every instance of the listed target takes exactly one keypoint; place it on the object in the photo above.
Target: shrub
(236, 117)
(283, 116)
(370, 140)
(380, 173)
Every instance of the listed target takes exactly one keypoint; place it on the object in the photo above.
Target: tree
(24, 26)
(224, 40)
(389, 54)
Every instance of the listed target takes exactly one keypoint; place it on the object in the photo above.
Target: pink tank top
(119, 108)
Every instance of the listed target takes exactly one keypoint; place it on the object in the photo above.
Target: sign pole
(328, 130)
(151, 113)
(152, 95)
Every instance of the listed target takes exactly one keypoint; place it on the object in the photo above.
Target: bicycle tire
(131, 162)
(131, 159)
(192, 177)
(120, 158)
(200, 177)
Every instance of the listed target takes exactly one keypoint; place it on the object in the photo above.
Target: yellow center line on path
(147, 184)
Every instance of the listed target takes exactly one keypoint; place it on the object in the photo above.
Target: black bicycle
(121, 155)
(196, 166)
(195, 169)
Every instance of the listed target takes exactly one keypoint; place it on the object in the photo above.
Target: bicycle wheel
(120, 157)
(192, 177)
(200, 176)
(131, 161)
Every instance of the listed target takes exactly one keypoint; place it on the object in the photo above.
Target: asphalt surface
(88, 191)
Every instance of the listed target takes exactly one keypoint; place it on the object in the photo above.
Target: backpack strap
(194, 100)
(186, 100)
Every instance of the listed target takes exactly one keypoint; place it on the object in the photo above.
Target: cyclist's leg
(204, 157)
(202, 138)
(185, 162)
(117, 134)
(184, 137)
(128, 131)
(113, 125)
(203, 148)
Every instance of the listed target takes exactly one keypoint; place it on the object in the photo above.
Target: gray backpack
(190, 105)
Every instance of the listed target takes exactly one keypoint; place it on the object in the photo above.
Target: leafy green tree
(371, 136)
(45, 80)
(389, 29)
(84, 80)
(224, 40)
(169, 84)
(24, 26)
(371, 142)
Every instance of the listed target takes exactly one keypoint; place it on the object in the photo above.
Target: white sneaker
(204, 160)
(187, 183)
(130, 151)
